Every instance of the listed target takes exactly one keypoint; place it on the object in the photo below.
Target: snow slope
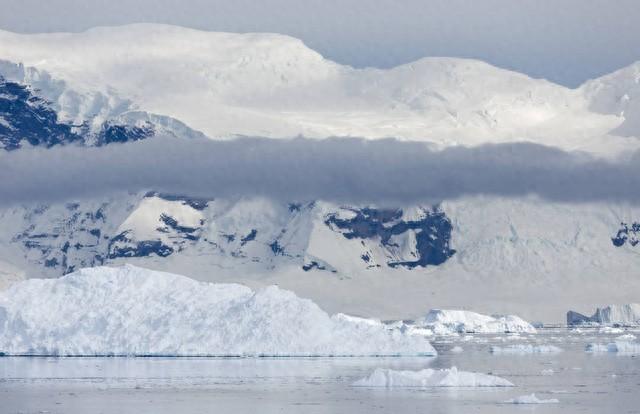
(134, 311)
(390, 378)
(619, 94)
(9, 274)
(257, 84)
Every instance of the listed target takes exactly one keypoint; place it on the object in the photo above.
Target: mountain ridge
(226, 85)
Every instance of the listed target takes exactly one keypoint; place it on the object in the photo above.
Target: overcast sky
(567, 41)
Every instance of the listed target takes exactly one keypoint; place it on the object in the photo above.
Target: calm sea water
(582, 382)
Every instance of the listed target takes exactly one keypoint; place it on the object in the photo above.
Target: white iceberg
(443, 322)
(625, 315)
(134, 311)
(618, 347)
(524, 349)
(610, 330)
(531, 399)
(626, 337)
(390, 378)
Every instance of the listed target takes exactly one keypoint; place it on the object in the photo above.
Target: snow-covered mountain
(113, 85)
(268, 85)
(487, 254)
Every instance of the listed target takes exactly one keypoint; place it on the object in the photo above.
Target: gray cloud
(565, 41)
(342, 170)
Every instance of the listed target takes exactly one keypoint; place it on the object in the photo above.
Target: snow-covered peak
(226, 84)
(142, 60)
(618, 93)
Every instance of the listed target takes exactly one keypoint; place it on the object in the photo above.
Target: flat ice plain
(582, 382)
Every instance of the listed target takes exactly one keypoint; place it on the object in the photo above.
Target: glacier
(452, 377)
(134, 311)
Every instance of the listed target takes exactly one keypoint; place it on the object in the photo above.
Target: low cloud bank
(341, 170)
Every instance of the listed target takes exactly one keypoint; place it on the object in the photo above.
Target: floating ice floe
(531, 399)
(457, 350)
(134, 311)
(627, 315)
(390, 378)
(446, 322)
(523, 349)
(618, 347)
(610, 330)
(626, 337)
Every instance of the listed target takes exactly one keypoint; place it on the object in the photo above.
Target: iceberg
(522, 349)
(531, 399)
(620, 315)
(390, 378)
(445, 322)
(134, 311)
(618, 347)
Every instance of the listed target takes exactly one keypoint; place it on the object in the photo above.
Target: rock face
(627, 234)
(26, 118)
(259, 234)
(608, 315)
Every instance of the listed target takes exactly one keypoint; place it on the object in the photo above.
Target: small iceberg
(531, 399)
(524, 349)
(449, 322)
(617, 347)
(390, 378)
